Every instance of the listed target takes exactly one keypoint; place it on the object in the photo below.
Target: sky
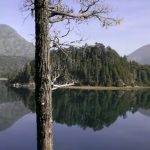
(131, 34)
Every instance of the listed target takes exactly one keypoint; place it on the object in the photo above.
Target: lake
(83, 120)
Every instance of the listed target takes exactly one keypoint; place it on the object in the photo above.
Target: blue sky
(133, 32)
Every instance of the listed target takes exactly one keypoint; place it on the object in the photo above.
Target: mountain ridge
(141, 55)
(13, 44)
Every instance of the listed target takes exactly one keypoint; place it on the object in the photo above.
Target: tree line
(94, 65)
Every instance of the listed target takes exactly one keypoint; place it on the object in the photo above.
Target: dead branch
(55, 78)
(56, 86)
(88, 9)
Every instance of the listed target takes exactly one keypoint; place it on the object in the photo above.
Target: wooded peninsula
(92, 65)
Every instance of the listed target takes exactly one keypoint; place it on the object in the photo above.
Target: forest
(94, 65)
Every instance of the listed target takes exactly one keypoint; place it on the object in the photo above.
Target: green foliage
(92, 65)
(24, 76)
(141, 73)
(11, 64)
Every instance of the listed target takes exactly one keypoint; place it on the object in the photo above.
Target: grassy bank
(106, 88)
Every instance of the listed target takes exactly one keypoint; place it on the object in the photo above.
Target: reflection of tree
(13, 95)
(143, 99)
(27, 97)
(96, 109)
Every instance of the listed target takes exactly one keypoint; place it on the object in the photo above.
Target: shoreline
(113, 88)
(3, 79)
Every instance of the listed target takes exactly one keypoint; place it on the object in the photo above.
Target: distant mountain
(15, 51)
(12, 44)
(141, 55)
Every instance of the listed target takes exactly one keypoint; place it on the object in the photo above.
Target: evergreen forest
(94, 65)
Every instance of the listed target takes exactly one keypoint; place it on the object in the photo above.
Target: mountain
(15, 51)
(12, 44)
(141, 55)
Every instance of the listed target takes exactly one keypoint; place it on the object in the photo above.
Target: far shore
(3, 79)
(74, 87)
(106, 88)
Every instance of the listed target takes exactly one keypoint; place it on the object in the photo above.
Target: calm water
(83, 120)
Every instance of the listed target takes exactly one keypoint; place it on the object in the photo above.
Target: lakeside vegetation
(93, 65)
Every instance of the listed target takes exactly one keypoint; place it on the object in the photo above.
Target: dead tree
(47, 14)
(43, 89)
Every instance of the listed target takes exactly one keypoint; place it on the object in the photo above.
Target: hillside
(12, 44)
(11, 64)
(15, 51)
(141, 55)
(94, 65)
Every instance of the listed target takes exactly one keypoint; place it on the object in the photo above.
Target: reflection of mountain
(12, 106)
(96, 109)
(145, 112)
(11, 112)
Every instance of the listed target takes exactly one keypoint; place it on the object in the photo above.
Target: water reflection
(17, 122)
(13, 106)
(145, 112)
(93, 109)
(73, 110)
(96, 109)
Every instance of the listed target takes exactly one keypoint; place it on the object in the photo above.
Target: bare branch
(58, 11)
(68, 31)
(92, 3)
(84, 11)
(55, 78)
(58, 19)
(28, 5)
(89, 9)
(56, 86)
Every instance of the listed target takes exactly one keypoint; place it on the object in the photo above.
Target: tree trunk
(43, 90)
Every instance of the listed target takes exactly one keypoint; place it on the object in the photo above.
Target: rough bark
(43, 90)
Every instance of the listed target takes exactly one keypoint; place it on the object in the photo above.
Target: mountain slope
(11, 63)
(12, 44)
(141, 55)
(15, 51)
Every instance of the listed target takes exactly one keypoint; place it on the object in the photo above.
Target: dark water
(83, 120)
